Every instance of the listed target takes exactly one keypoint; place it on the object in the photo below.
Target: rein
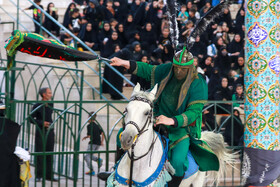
(140, 132)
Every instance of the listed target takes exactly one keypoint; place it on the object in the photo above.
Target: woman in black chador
(235, 47)
(129, 27)
(104, 34)
(148, 37)
(112, 45)
(90, 38)
(66, 19)
(223, 93)
(49, 24)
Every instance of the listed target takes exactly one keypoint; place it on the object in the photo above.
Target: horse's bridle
(140, 131)
(148, 120)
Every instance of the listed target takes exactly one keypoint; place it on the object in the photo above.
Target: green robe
(188, 115)
(166, 103)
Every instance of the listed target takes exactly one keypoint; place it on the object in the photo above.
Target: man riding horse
(180, 97)
(178, 106)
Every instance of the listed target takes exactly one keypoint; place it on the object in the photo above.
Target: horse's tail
(225, 156)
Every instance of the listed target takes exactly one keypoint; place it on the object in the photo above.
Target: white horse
(146, 149)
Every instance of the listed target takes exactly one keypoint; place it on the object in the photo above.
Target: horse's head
(139, 113)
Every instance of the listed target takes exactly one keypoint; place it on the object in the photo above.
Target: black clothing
(239, 69)
(94, 16)
(214, 81)
(137, 56)
(63, 37)
(239, 21)
(167, 56)
(121, 11)
(223, 94)
(210, 33)
(223, 63)
(200, 4)
(164, 40)
(94, 131)
(116, 81)
(175, 182)
(209, 69)
(232, 83)
(148, 42)
(226, 18)
(209, 120)
(108, 49)
(140, 15)
(44, 113)
(74, 22)
(130, 29)
(10, 169)
(240, 79)
(50, 25)
(108, 15)
(238, 130)
(182, 38)
(39, 162)
(199, 48)
(119, 154)
(133, 8)
(235, 47)
(121, 37)
(239, 98)
(37, 16)
(193, 19)
(133, 39)
(104, 34)
(152, 17)
(113, 77)
(91, 37)
(158, 52)
(66, 19)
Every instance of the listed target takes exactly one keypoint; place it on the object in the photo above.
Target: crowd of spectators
(142, 29)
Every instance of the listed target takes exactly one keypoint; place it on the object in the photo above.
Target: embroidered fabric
(161, 176)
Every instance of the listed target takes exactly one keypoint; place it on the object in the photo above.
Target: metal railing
(68, 155)
(69, 164)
